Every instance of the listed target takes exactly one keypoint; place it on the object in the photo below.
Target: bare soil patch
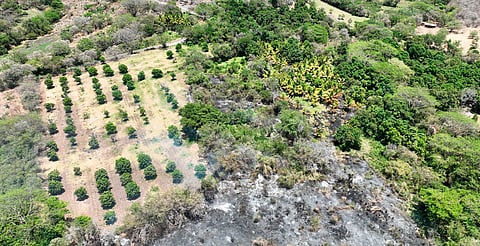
(152, 138)
(461, 35)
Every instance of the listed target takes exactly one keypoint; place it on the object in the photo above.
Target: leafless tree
(13, 76)
(135, 7)
(128, 37)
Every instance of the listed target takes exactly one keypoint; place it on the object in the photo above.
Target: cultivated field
(89, 120)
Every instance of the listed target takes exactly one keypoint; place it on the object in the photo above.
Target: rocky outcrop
(352, 206)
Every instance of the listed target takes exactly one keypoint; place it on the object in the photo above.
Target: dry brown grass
(152, 138)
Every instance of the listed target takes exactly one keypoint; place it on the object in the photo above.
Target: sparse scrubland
(145, 118)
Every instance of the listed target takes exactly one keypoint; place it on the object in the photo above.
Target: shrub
(204, 46)
(117, 95)
(52, 145)
(132, 190)
(171, 166)
(49, 83)
(110, 128)
(144, 160)
(101, 99)
(92, 71)
(70, 131)
(55, 187)
(106, 200)
(81, 193)
(123, 115)
(136, 98)
(150, 172)
(52, 128)
(200, 171)
(126, 78)
(169, 54)
(348, 137)
(177, 141)
(173, 76)
(110, 217)
(77, 171)
(178, 47)
(142, 111)
(174, 104)
(106, 114)
(157, 73)
(125, 178)
(141, 76)
(93, 143)
(101, 174)
(54, 175)
(103, 185)
(67, 101)
(68, 109)
(170, 97)
(177, 176)
(130, 85)
(95, 81)
(122, 68)
(77, 72)
(172, 131)
(49, 107)
(108, 71)
(78, 80)
(132, 133)
(52, 155)
(73, 141)
(123, 165)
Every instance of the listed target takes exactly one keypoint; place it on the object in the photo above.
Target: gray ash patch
(351, 207)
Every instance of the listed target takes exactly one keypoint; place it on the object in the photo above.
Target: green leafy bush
(107, 200)
(123, 165)
(132, 133)
(348, 137)
(169, 54)
(144, 160)
(81, 193)
(171, 166)
(200, 171)
(125, 178)
(117, 95)
(110, 128)
(49, 107)
(55, 187)
(122, 68)
(110, 218)
(92, 71)
(93, 143)
(177, 176)
(52, 128)
(108, 71)
(172, 131)
(132, 190)
(77, 171)
(150, 172)
(127, 78)
(157, 73)
(141, 76)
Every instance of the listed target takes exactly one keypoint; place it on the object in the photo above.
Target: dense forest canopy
(269, 82)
